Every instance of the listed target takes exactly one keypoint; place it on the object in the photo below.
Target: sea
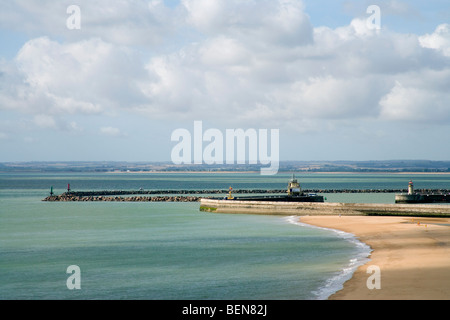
(171, 250)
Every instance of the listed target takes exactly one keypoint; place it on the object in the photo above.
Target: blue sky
(402, 16)
(135, 71)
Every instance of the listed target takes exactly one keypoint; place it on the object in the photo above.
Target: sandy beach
(412, 254)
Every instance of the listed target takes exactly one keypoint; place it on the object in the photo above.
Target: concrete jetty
(415, 197)
(322, 208)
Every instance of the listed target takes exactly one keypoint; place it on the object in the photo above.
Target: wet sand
(413, 256)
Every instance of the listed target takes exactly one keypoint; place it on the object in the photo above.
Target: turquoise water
(165, 250)
(205, 181)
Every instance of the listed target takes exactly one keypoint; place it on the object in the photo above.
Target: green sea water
(165, 251)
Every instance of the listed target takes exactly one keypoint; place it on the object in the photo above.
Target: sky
(114, 80)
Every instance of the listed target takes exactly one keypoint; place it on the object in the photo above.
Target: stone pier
(324, 208)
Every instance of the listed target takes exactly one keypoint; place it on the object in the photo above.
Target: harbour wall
(241, 191)
(422, 198)
(323, 208)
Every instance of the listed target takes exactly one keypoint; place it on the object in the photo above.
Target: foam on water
(336, 282)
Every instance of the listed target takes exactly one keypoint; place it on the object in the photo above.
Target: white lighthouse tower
(410, 187)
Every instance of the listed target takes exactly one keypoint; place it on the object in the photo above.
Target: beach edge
(409, 252)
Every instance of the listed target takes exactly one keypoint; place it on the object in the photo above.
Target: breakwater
(67, 197)
(242, 191)
(195, 195)
(322, 208)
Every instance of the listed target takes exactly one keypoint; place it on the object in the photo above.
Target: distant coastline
(382, 167)
(318, 172)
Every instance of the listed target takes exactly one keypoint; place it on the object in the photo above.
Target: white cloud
(111, 131)
(248, 62)
(439, 39)
(85, 77)
(418, 104)
(282, 22)
(224, 52)
(120, 22)
(348, 72)
(332, 98)
(44, 121)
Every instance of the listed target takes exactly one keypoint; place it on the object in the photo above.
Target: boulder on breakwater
(69, 198)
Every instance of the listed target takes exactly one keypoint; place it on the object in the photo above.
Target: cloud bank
(263, 62)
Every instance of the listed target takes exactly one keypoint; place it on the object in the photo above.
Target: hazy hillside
(285, 166)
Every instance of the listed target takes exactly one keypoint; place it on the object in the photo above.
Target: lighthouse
(293, 188)
(410, 187)
(230, 197)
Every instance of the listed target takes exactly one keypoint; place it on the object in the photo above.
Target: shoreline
(412, 253)
(336, 282)
(323, 208)
(281, 172)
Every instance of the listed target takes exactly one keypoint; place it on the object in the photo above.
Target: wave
(336, 282)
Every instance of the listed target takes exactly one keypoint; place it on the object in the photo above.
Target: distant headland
(380, 166)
